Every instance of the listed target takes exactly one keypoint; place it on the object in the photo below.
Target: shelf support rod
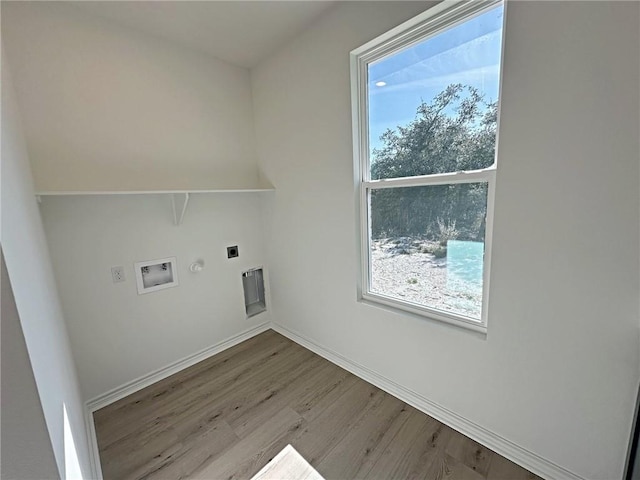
(178, 220)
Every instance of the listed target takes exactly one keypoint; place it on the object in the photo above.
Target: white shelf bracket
(178, 220)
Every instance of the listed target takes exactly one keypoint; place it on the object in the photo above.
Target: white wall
(107, 108)
(34, 288)
(26, 447)
(558, 370)
(118, 335)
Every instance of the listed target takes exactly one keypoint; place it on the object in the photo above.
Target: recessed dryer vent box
(155, 275)
(253, 285)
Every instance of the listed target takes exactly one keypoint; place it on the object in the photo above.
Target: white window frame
(443, 16)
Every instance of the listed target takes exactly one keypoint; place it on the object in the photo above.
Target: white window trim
(443, 16)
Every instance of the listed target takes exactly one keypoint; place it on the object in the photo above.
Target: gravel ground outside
(401, 268)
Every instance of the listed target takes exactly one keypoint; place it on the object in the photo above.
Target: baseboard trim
(92, 440)
(139, 383)
(144, 381)
(523, 457)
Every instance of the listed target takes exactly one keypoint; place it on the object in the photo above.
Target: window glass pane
(433, 106)
(427, 245)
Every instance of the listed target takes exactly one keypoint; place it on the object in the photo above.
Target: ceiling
(238, 32)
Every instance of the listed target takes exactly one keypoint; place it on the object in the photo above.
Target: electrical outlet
(117, 273)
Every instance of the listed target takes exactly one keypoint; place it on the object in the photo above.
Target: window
(426, 102)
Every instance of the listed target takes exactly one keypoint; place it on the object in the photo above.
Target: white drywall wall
(558, 371)
(29, 266)
(118, 335)
(107, 108)
(26, 447)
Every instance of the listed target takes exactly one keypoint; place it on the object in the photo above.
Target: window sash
(443, 16)
(364, 290)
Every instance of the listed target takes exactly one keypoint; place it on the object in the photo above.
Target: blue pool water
(464, 265)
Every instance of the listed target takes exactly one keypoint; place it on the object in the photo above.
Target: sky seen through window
(468, 54)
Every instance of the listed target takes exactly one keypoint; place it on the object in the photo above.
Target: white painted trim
(444, 15)
(185, 202)
(92, 440)
(151, 192)
(523, 457)
(144, 381)
(468, 176)
(451, 318)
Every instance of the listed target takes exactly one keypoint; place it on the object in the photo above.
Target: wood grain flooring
(228, 416)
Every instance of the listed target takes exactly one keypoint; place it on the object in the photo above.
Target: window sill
(422, 313)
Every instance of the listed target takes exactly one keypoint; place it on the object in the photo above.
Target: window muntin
(432, 90)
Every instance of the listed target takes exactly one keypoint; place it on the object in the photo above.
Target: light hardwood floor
(226, 417)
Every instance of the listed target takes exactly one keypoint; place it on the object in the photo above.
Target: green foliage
(455, 132)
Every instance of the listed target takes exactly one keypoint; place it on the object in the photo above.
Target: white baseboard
(92, 440)
(529, 460)
(139, 383)
(144, 381)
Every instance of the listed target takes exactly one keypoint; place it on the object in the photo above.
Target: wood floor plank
(121, 461)
(228, 416)
(445, 467)
(248, 397)
(356, 453)
(311, 404)
(319, 436)
(502, 469)
(117, 420)
(470, 453)
(184, 402)
(246, 457)
(244, 354)
(306, 377)
(412, 450)
(191, 454)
